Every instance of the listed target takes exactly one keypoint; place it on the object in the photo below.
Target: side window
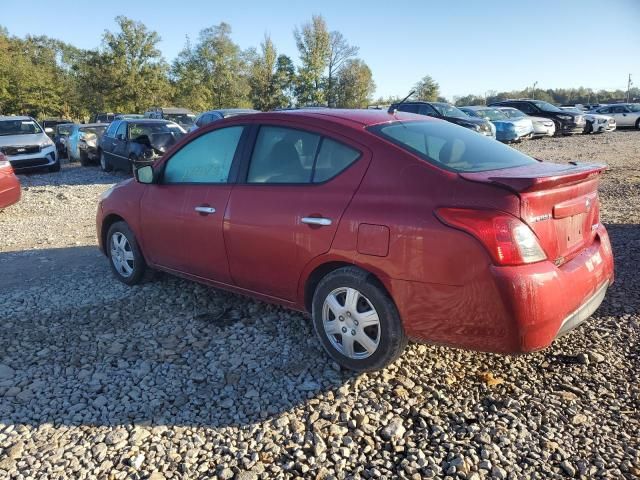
(428, 110)
(604, 110)
(111, 131)
(526, 108)
(206, 159)
(122, 130)
(408, 107)
(332, 159)
(199, 121)
(283, 155)
(619, 109)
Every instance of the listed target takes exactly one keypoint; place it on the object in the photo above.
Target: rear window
(451, 147)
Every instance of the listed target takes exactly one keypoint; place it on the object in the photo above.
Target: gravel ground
(174, 380)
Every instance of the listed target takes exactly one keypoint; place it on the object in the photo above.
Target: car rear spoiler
(538, 178)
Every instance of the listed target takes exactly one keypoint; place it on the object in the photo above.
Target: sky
(466, 46)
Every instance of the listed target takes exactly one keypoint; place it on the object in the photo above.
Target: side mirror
(144, 174)
(48, 130)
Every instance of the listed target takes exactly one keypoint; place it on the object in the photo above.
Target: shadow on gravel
(78, 347)
(72, 174)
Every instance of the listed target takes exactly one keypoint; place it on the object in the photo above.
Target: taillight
(508, 240)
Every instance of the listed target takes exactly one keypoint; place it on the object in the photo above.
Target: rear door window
(333, 158)
(450, 147)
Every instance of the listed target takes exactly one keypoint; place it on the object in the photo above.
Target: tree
(427, 89)
(355, 85)
(270, 78)
(313, 42)
(133, 67)
(213, 72)
(339, 52)
(468, 100)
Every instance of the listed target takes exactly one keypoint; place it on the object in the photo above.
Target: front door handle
(325, 222)
(205, 210)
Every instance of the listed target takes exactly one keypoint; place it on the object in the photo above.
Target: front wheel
(104, 163)
(127, 262)
(638, 123)
(356, 321)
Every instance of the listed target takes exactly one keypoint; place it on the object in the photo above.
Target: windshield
(546, 106)
(513, 113)
(181, 118)
(492, 114)
(451, 147)
(447, 110)
(19, 127)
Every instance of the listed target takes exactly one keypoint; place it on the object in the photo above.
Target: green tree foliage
(354, 85)
(133, 67)
(313, 42)
(339, 52)
(271, 78)
(213, 73)
(427, 89)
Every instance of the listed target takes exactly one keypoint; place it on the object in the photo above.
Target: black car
(49, 125)
(567, 123)
(60, 135)
(446, 112)
(103, 117)
(136, 141)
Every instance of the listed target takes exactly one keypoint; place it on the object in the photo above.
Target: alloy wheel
(351, 323)
(122, 254)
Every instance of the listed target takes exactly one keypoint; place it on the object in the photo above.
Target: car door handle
(205, 210)
(325, 222)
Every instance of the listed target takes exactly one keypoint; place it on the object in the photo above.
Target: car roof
(99, 124)
(15, 117)
(144, 120)
(476, 107)
(173, 110)
(352, 117)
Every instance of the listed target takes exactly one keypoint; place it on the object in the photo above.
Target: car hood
(22, 140)
(466, 121)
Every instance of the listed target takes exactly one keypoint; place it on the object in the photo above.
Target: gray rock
(393, 430)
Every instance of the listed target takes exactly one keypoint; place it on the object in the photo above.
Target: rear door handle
(325, 222)
(205, 210)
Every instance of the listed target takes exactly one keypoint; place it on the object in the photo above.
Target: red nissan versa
(384, 226)
(9, 184)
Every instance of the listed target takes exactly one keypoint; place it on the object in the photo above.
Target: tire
(55, 167)
(105, 165)
(558, 132)
(638, 124)
(126, 259)
(588, 128)
(84, 159)
(346, 296)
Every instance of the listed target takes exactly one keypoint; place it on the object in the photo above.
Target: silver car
(625, 114)
(596, 123)
(542, 127)
(26, 145)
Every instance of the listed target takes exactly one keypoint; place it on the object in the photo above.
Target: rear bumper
(9, 190)
(509, 309)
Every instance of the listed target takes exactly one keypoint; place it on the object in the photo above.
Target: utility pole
(629, 88)
(533, 90)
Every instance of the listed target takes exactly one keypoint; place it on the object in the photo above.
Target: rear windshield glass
(451, 147)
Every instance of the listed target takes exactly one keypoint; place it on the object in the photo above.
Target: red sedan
(9, 184)
(385, 227)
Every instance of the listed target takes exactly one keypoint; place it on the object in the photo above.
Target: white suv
(26, 145)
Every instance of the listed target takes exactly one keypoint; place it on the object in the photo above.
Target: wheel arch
(106, 225)
(324, 269)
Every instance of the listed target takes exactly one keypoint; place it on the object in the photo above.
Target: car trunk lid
(558, 202)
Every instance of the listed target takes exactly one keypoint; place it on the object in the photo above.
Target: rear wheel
(84, 158)
(638, 123)
(127, 262)
(104, 163)
(356, 321)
